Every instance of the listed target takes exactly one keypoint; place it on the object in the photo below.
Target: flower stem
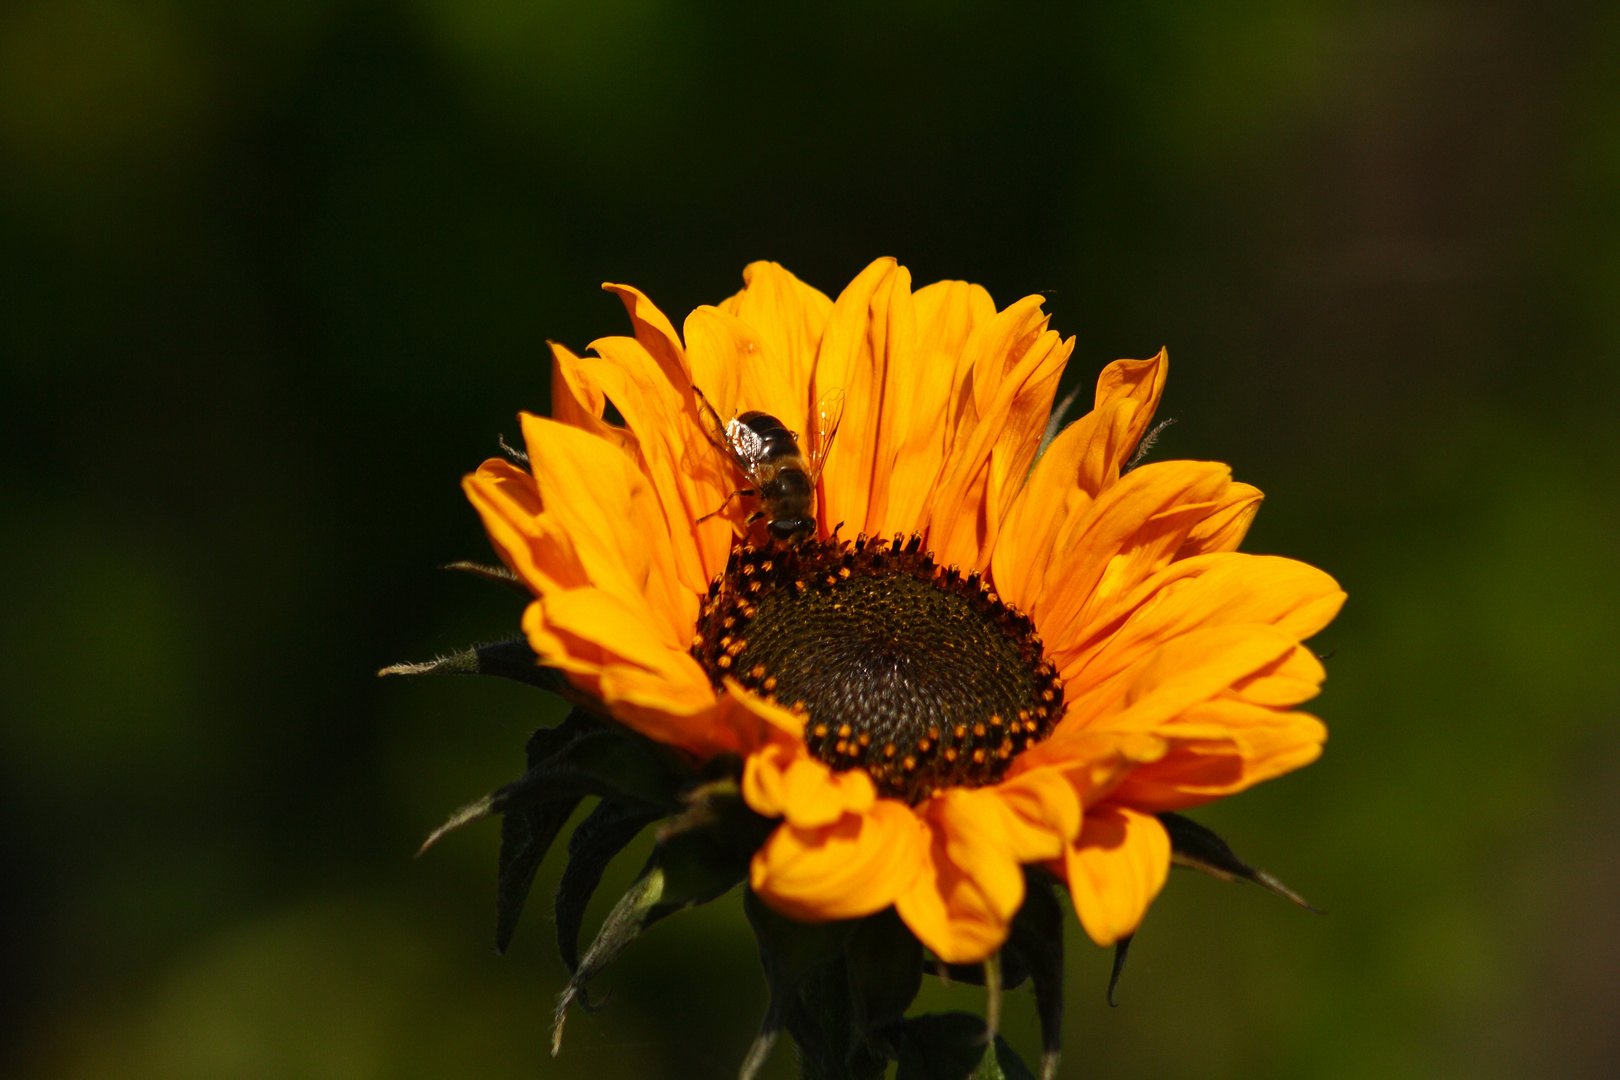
(823, 1026)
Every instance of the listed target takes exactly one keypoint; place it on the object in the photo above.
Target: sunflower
(992, 656)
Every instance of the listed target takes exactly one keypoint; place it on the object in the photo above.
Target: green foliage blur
(275, 273)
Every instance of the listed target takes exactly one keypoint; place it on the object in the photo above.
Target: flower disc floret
(916, 673)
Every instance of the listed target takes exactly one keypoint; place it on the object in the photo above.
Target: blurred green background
(274, 273)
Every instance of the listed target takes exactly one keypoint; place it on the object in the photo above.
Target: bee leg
(722, 506)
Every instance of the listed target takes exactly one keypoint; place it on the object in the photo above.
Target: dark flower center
(919, 675)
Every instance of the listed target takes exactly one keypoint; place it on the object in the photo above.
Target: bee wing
(734, 439)
(829, 414)
(747, 448)
(713, 429)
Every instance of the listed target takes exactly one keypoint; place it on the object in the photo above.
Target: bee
(783, 476)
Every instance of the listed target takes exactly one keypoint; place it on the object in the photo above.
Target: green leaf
(940, 1046)
(526, 835)
(609, 762)
(528, 832)
(1036, 945)
(637, 909)
(790, 952)
(687, 870)
(579, 757)
(602, 835)
(1199, 848)
(885, 972)
(544, 746)
(951, 1046)
(823, 1024)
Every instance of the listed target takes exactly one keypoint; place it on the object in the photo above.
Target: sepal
(1199, 848)
(885, 972)
(689, 869)
(840, 988)
(582, 756)
(1122, 950)
(505, 659)
(527, 832)
(495, 575)
(715, 805)
(790, 952)
(604, 833)
(526, 835)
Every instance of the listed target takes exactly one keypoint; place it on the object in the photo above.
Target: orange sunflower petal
(789, 318)
(626, 633)
(655, 333)
(1141, 383)
(599, 498)
(1173, 679)
(1262, 744)
(1084, 459)
(783, 780)
(684, 474)
(738, 723)
(908, 404)
(1047, 800)
(972, 883)
(673, 710)
(1021, 418)
(1015, 364)
(1295, 678)
(754, 722)
(732, 363)
(532, 546)
(947, 313)
(962, 915)
(1227, 524)
(1131, 530)
(1115, 870)
(856, 866)
(871, 317)
(1209, 590)
(1051, 497)
(1190, 670)
(573, 401)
